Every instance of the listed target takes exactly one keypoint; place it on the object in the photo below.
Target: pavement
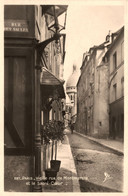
(67, 180)
(114, 145)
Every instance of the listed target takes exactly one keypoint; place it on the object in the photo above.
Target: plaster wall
(92, 117)
(101, 108)
(18, 173)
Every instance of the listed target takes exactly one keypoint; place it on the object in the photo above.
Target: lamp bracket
(41, 46)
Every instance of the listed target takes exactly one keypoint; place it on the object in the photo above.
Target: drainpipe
(38, 52)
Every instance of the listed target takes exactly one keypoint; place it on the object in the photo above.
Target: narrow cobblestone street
(98, 168)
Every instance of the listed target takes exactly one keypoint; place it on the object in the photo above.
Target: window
(122, 123)
(122, 86)
(122, 51)
(114, 61)
(100, 123)
(115, 91)
(78, 107)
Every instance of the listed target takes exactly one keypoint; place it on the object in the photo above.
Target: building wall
(101, 85)
(101, 109)
(93, 96)
(19, 66)
(53, 55)
(117, 119)
(101, 118)
(22, 30)
(18, 171)
(116, 88)
(119, 48)
(83, 100)
(116, 75)
(23, 23)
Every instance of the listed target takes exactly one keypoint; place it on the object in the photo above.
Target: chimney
(109, 37)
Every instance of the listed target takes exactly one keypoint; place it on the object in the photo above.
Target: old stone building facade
(115, 60)
(93, 93)
(98, 99)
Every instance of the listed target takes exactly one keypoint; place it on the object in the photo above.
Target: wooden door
(18, 134)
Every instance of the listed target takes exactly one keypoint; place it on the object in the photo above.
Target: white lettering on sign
(16, 26)
(16, 29)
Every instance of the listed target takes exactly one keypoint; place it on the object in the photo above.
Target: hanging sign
(16, 25)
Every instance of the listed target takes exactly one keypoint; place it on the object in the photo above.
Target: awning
(51, 84)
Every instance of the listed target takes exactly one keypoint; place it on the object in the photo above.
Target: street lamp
(55, 16)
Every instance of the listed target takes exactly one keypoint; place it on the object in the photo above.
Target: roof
(94, 48)
(117, 33)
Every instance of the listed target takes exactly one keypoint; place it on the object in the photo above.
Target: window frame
(115, 60)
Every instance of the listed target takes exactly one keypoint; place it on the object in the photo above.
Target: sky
(87, 26)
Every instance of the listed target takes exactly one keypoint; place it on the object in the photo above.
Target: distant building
(71, 91)
(115, 60)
